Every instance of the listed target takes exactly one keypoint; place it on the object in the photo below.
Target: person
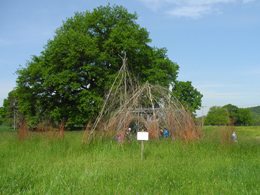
(128, 134)
(161, 133)
(135, 128)
(119, 137)
(166, 133)
(234, 136)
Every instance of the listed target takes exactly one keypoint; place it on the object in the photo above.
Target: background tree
(68, 81)
(9, 112)
(229, 114)
(217, 115)
(233, 112)
(187, 95)
(3, 112)
(255, 115)
(244, 117)
(239, 116)
(1, 115)
(255, 119)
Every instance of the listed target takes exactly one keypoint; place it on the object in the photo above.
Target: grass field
(40, 165)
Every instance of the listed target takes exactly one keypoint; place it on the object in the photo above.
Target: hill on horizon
(255, 109)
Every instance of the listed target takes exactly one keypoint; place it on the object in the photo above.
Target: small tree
(217, 116)
(245, 117)
(10, 112)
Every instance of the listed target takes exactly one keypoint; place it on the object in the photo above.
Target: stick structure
(149, 107)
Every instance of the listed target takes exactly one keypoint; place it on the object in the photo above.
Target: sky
(216, 43)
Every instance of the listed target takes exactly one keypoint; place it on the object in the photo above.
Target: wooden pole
(142, 149)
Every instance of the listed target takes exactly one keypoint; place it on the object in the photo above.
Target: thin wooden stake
(142, 149)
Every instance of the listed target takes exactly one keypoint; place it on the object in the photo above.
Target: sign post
(142, 136)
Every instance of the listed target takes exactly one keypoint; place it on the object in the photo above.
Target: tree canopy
(68, 81)
(1, 115)
(9, 112)
(245, 117)
(187, 95)
(256, 115)
(229, 114)
(217, 115)
(239, 116)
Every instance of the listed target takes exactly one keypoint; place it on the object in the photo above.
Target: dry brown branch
(148, 106)
(23, 130)
(62, 129)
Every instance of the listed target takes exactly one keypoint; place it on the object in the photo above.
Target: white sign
(143, 136)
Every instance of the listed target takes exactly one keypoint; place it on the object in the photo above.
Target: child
(234, 136)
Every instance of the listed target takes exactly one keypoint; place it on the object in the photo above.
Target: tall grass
(39, 165)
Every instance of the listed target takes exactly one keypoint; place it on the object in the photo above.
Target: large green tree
(187, 95)
(69, 79)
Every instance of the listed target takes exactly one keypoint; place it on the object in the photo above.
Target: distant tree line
(232, 115)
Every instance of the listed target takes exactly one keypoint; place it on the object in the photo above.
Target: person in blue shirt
(166, 133)
(135, 128)
(234, 136)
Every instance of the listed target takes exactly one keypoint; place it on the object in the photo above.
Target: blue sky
(216, 43)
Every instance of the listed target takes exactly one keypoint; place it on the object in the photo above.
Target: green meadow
(42, 165)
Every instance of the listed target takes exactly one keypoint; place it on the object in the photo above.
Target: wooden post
(142, 149)
(142, 136)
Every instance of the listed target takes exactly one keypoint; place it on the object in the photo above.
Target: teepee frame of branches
(149, 107)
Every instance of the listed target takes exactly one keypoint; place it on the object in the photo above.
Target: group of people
(128, 135)
(164, 133)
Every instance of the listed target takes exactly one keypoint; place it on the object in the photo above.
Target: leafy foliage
(233, 112)
(244, 117)
(235, 116)
(187, 95)
(255, 110)
(9, 112)
(217, 115)
(1, 113)
(239, 116)
(68, 81)
(255, 115)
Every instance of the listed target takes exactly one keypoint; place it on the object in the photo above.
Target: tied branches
(148, 107)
